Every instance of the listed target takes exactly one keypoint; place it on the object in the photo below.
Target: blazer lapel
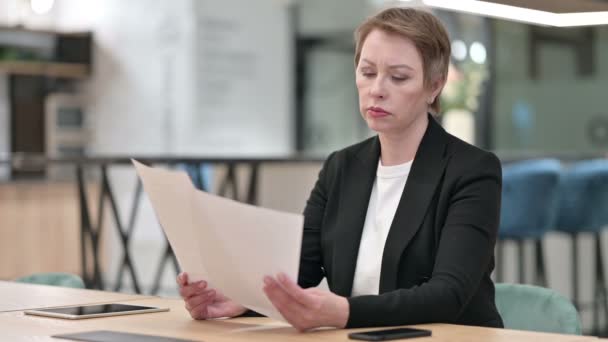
(356, 190)
(426, 171)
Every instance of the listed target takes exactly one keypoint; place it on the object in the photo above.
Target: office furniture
(177, 323)
(533, 308)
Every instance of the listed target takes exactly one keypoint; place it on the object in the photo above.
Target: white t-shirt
(386, 194)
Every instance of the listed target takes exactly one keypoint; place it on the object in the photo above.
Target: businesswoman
(402, 225)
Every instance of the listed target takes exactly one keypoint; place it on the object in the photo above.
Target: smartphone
(389, 334)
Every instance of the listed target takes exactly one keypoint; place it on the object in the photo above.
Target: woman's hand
(204, 303)
(306, 308)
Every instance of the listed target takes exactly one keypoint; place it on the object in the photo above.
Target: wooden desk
(16, 326)
(19, 296)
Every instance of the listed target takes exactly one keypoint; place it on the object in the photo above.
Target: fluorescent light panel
(581, 19)
(520, 14)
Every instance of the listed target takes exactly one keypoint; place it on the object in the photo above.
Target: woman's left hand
(306, 308)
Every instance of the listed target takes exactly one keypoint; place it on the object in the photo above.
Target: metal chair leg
(499, 267)
(600, 297)
(522, 261)
(541, 275)
(575, 294)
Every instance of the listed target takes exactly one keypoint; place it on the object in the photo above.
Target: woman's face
(390, 82)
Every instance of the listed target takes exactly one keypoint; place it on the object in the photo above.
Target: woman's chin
(378, 127)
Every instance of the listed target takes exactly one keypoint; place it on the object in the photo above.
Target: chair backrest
(54, 279)
(533, 308)
(529, 198)
(583, 197)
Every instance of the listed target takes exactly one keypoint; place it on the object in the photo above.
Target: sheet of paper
(235, 244)
(170, 193)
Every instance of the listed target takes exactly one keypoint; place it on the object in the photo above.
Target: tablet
(113, 336)
(91, 311)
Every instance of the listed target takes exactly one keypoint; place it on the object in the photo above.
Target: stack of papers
(229, 244)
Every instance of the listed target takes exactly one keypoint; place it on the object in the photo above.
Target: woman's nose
(377, 89)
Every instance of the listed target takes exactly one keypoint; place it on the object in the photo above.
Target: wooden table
(19, 296)
(16, 326)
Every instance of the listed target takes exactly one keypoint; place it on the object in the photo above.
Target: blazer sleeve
(464, 252)
(311, 259)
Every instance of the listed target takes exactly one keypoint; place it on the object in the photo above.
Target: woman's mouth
(377, 112)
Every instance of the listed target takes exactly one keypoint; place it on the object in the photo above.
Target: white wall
(194, 77)
(19, 12)
(142, 59)
(243, 80)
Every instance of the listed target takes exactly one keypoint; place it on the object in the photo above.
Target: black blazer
(439, 252)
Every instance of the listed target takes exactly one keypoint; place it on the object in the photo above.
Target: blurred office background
(249, 96)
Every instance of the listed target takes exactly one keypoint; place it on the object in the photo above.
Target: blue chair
(583, 208)
(529, 203)
(533, 308)
(53, 279)
(201, 174)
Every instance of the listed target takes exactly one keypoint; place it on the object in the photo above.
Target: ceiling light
(521, 14)
(478, 53)
(41, 6)
(459, 50)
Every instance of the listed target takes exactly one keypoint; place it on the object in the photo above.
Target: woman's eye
(399, 78)
(368, 74)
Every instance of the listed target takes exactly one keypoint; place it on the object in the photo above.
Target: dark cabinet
(39, 63)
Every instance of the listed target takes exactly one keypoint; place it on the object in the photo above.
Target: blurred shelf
(48, 69)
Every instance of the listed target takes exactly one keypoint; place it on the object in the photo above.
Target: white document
(229, 244)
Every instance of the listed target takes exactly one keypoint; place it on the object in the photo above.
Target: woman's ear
(436, 87)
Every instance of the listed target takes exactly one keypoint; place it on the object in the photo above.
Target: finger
(277, 295)
(288, 315)
(186, 291)
(285, 305)
(206, 297)
(182, 279)
(299, 294)
(201, 311)
(224, 309)
(193, 289)
(291, 315)
(203, 301)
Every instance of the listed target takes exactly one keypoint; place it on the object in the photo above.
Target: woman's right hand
(204, 303)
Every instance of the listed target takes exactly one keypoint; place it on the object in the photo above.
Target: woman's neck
(400, 148)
